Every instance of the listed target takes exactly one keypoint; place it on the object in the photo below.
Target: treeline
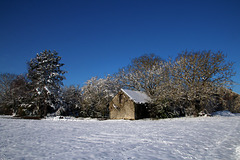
(192, 83)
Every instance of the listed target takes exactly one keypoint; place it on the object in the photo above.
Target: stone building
(128, 104)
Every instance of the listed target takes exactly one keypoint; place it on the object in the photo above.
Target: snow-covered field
(181, 138)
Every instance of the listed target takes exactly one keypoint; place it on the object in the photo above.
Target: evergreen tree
(46, 76)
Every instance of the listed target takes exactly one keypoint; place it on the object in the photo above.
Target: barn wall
(124, 107)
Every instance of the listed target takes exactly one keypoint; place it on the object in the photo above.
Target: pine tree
(46, 76)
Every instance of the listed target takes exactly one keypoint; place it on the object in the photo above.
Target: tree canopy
(193, 82)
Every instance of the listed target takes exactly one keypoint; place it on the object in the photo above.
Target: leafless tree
(143, 74)
(5, 97)
(96, 95)
(20, 91)
(200, 75)
(72, 101)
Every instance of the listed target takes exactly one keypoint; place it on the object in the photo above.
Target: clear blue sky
(97, 37)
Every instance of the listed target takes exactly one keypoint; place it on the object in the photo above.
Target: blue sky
(97, 37)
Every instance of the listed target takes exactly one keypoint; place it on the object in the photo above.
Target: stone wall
(122, 107)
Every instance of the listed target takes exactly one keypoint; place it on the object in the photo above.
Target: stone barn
(128, 104)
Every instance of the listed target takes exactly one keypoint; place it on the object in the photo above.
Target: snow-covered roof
(137, 96)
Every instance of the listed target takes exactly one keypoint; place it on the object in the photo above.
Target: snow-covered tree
(143, 74)
(165, 101)
(46, 76)
(96, 94)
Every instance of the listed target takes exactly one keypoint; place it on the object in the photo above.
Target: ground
(180, 138)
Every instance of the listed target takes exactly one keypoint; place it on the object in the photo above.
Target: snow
(48, 91)
(180, 138)
(39, 92)
(116, 107)
(238, 152)
(137, 96)
(224, 113)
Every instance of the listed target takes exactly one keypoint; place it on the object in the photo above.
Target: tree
(20, 91)
(200, 75)
(72, 101)
(166, 101)
(192, 83)
(143, 74)
(229, 100)
(6, 103)
(5, 97)
(46, 77)
(96, 95)
(5, 84)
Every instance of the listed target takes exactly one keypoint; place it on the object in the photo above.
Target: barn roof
(137, 96)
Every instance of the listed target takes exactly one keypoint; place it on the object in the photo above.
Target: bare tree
(143, 74)
(20, 91)
(166, 101)
(6, 100)
(199, 75)
(96, 95)
(72, 97)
